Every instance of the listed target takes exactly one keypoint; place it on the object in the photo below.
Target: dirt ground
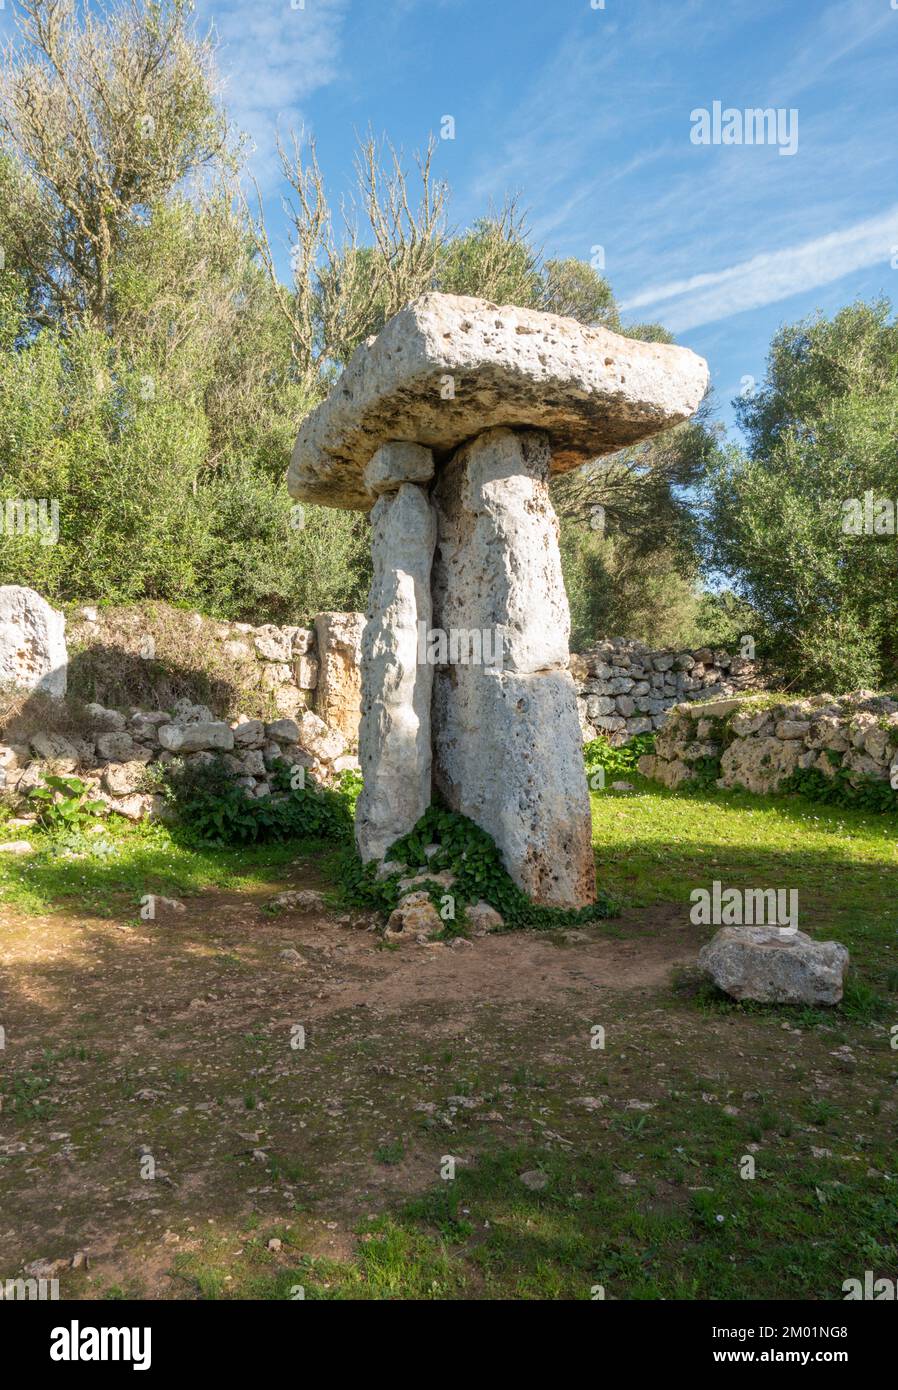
(320, 1089)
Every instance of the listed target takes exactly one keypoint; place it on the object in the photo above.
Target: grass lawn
(326, 1171)
(655, 846)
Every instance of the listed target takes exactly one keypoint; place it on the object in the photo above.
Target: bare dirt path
(165, 1079)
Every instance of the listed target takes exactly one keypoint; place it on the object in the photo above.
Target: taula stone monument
(447, 426)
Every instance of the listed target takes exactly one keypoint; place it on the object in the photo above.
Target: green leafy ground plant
(618, 761)
(214, 809)
(65, 803)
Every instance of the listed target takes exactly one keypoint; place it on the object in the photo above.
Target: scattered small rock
(415, 915)
(168, 906)
(445, 878)
(44, 1269)
(388, 867)
(483, 917)
(591, 1102)
(297, 900)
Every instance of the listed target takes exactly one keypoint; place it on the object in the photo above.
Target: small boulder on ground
(535, 1179)
(482, 917)
(773, 967)
(297, 900)
(165, 907)
(414, 916)
(139, 806)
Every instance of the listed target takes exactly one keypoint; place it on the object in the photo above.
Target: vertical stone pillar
(507, 746)
(394, 734)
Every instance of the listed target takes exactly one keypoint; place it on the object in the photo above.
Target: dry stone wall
(284, 672)
(278, 670)
(757, 744)
(305, 684)
(113, 752)
(624, 688)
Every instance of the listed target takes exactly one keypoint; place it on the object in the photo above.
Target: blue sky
(585, 113)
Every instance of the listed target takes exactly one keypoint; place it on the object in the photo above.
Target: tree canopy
(821, 435)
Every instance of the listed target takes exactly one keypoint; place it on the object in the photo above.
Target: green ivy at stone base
(472, 856)
(214, 809)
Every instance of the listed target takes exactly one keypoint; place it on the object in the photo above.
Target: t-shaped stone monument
(448, 426)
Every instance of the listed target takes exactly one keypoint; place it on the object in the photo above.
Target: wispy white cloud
(843, 27)
(273, 59)
(771, 276)
(600, 147)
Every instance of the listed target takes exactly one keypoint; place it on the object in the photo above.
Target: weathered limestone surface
(760, 746)
(499, 568)
(397, 463)
(338, 690)
(448, 367)
(33, 654)
(507, 742)
(193, 738)
(394, 735)
(509, 756)
(763, 964)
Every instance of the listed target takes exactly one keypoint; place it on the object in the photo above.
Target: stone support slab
(395, 729)
(507, 746)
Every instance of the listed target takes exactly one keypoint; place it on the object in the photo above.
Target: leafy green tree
(821, 432)
(614, 592)
(575, 290)
(105, 113)
(630, 530)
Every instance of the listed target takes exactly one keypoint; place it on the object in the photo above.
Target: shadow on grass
(844, 863)
(586, 1236)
